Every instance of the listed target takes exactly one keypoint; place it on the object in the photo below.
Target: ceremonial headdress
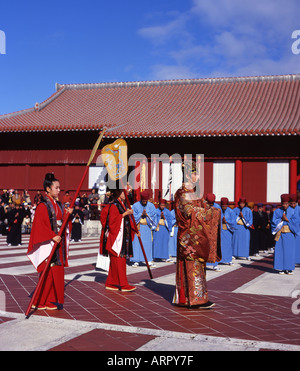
(224, 201)
(145, 195)
(210, 198)
(293, 197)
(285, 197)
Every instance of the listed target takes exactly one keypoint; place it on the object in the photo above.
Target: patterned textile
(198, 242)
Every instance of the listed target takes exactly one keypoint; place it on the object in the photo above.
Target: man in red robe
(116, 241)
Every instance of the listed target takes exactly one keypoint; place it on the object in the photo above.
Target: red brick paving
(5, 319)
(236, 315)
(100, 340)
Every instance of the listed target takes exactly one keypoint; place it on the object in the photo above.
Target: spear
(135, 226)
(63, 227)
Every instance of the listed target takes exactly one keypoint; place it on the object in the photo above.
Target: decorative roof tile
(263, 105)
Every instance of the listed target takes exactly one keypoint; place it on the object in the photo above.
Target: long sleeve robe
(161, 234)
(198, 243)
(285, 245)
(226, 234)
(146, 226)
(45, 226)
(241, 235)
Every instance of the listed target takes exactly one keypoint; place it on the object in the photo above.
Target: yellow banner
(114, 157)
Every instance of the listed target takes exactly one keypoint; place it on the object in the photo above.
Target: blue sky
(72, 41)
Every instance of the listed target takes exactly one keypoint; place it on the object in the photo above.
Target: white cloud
(172, 72)
(276, 14)
(230, 37)
(161, 34)
(284, 66)
(233, 46)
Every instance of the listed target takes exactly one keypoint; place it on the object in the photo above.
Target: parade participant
(77, 222)
(262, 222)
(161, 234)
(270, 238)
(294, 205)
(116, 241)
(253, 229)
(260, 231)
(48, 218)
(241, 235)
(144, 213)
(198, 242)
(210, 199)
(227, 228)
(3, 215)
(14, 219)
(285, 225)
(173, 235)
(298, 236)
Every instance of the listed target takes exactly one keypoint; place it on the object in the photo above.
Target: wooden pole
(135, 226)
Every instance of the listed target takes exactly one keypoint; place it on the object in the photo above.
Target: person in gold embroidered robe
(198, 242)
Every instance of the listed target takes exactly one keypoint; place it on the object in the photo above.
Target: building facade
(246, 129)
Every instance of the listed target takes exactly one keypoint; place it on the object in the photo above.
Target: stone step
(91, 228)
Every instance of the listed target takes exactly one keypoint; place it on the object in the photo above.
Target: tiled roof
(263, 105)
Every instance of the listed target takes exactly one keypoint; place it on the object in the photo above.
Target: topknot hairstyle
(49, 179)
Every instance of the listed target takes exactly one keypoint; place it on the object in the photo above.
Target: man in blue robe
(241, 235)
(173, 235)
(296, 208)
(144, 213)
(210, 199)
(285, 226)
(227, 228)
(161, 233)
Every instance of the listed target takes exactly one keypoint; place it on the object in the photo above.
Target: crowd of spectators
(17, 209)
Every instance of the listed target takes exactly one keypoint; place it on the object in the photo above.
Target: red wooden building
(247, 128)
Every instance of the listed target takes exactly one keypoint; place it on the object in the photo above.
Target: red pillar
(238, 181)
(293, 176)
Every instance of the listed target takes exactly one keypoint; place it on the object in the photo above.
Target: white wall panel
(224, 179)
(277, 180)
